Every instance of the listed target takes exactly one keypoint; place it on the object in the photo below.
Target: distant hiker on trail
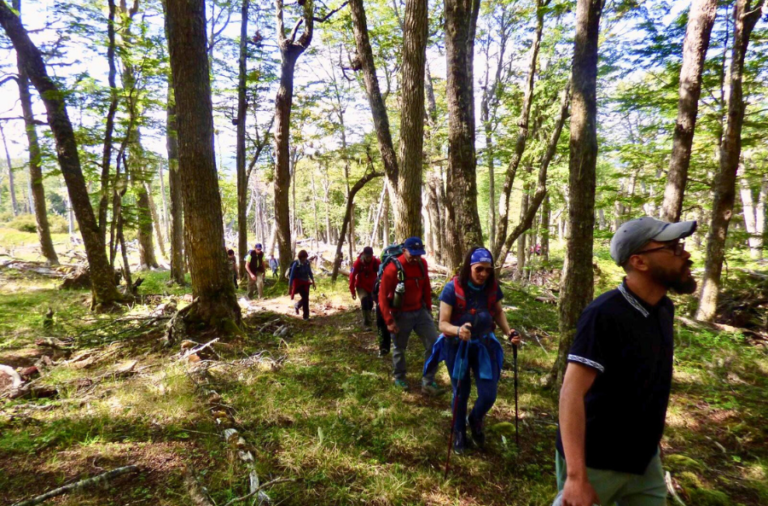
(232, 265)
(254, 264)
(613, 402)
(470, 308)
(362, 277)
(273, 265)
(405, 298)
(300, 279)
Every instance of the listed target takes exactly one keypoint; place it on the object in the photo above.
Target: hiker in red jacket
(362, 277)
(405, 300)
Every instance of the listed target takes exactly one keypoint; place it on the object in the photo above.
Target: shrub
(24, 223)
(58, 224)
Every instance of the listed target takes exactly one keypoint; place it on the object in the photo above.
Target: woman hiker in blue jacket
(299, 281)
(470, 309)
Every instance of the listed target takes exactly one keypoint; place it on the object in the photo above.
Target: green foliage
(24, 223)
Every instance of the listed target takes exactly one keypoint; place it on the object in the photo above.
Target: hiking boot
(367, 319)
(402, 384)
(383, 353)
(432, 389)
(478, 435)
(459, 442)
(296, 308)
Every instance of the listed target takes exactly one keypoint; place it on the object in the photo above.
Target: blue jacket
(454, 352)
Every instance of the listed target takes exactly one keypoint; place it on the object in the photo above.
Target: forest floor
(315, 404)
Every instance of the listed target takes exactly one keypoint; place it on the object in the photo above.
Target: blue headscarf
(481, 255)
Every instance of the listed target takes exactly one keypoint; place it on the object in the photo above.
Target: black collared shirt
(630, 344)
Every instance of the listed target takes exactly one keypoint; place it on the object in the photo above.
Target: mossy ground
(323, 410)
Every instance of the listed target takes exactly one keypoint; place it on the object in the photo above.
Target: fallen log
(88, 482)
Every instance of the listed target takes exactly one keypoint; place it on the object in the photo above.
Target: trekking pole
(517, 416)
(453, 419)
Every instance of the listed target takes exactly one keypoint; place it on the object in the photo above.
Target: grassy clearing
(320, 407)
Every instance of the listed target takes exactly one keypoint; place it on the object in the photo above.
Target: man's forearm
(573, 431)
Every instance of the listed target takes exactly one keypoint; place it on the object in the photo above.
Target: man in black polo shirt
(616, 387)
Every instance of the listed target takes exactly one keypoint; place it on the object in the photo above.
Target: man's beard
(680, 282)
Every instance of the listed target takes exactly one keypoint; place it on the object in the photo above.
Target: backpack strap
(461, 299)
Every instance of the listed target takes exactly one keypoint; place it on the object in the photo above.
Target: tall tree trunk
(701, 18)
(11, 181)
(577, 285)
(404, 174)
(408, 203)
(103, 287)
(166, 227)
(211, 280)
(347, 215)
(385, 235)
(290, 51)
(463, 220)
(745, 16)
(35, 171)
(174, 187)
(522, 135)
(242, 109)
(106, 158)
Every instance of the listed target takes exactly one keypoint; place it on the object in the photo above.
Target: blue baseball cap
(258, 245)
(414, 246)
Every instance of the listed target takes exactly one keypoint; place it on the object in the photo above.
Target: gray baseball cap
(635, 234)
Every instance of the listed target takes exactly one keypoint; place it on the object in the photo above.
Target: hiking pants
(622, 489)
(366, 301)
(256, 285)
(486, 390)
(303, 303)
(385, 338)
(421, 322)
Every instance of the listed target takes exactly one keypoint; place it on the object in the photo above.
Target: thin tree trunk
(35, 171)
(522, 135)
(347, 215)
(377, 216)
(11, 181)
(526, 219)
(752, 213)
(314, 209)
(106, 159)
(745, 16)
(166, 227)
(174, 187)
(701, 18)
(577, 285)
(103, 288)
(211, 281)
(156, 222)
(242, 109)
(385, 235)
(545, 226)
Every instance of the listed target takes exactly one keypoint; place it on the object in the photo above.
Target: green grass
(324, 410)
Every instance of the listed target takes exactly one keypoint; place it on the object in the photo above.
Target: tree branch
(328, 16)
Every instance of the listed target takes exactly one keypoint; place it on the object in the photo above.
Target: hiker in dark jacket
(232, 265)
(362, 277)
(414, 312)
(254, 264)
(470, 310)
(300, 279)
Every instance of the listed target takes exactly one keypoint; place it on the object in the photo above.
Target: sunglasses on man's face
(481, 270)
(677, 249)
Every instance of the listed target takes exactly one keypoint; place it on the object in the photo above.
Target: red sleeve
(353, 275)
(427, 290)
(388, 282)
